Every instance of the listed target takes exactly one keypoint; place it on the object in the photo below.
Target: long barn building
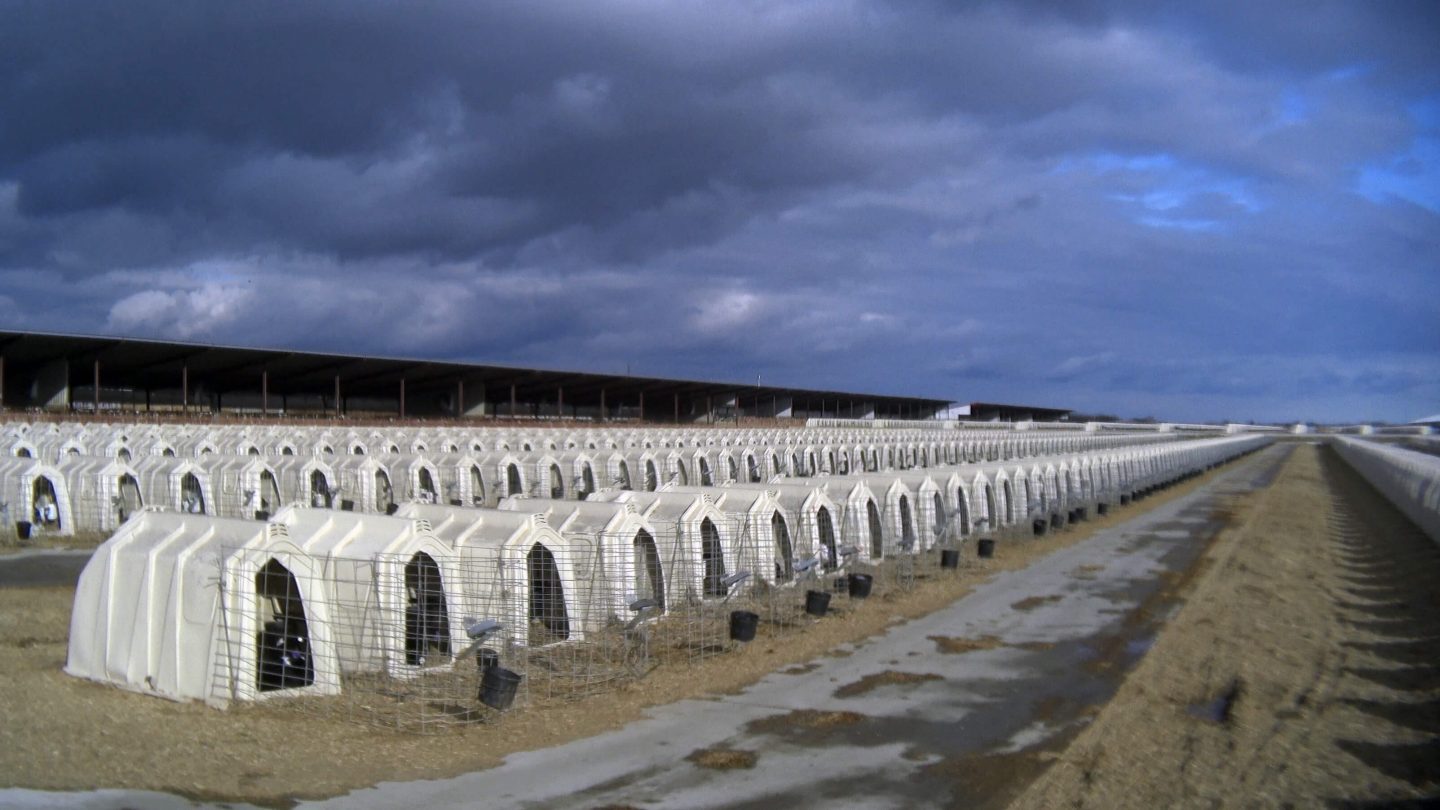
(95, 374)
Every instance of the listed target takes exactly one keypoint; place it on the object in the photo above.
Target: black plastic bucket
(347, 505)
(985, 549)
(860, 585)
(1040, 527)
(743, 624)
(817, 603)
(486, 658)
(392, 509)
(497, 687)
(22, 529)
(262, 514)
(949, 558)
(1124, 500)
(1102, 509)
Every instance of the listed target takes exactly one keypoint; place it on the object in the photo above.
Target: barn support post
(512, 400)
(602, 404)
(265, 393)
(95, 391)
(677, 409)
(459, 399)
(642, 406)
(185, 389)
(402, 397)
(559, 402)
(337, 395)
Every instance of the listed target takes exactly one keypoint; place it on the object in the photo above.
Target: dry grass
(1298, 673)
(1035, 601)
(61, 733)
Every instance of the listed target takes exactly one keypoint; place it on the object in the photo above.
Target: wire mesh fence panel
(422, 641)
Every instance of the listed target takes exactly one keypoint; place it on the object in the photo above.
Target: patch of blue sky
(1172, 187)
(1181, 224)
(1106, 162)
(1426, 113)
(1413, 176)
(1348, 72)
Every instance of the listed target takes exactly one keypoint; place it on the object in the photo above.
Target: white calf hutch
(34, 498)
(192, 607)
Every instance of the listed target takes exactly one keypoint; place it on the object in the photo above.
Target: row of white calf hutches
(804, 529)
(709, 557)
(632, 562)
(194, 607)
(365, 484)
(759, 538)
(514, 568)
(306, 480)
(790, 523)
(392, 605)
(109, 488)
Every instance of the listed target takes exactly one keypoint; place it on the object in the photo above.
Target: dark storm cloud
(1084, 203)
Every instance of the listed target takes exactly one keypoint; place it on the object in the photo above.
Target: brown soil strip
(1035, 601)
(886, 678)
(723, 759)
(1274, 684)
(61, 733)
(955, 646)
(804, 719)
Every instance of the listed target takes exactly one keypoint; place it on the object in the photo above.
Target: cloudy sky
(1217, 210)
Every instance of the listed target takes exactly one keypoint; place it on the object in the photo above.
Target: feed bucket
(22, 529)
(486, 658)
(497, 687)
(985, 549)
(860, 585)
(949, 558)
(817, 603)
(743, 624)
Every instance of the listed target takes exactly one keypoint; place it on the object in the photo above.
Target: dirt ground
(1303, 670)
(62, 733)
